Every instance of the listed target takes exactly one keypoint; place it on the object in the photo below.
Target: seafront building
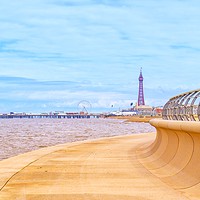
(141, 90)
(140, 108)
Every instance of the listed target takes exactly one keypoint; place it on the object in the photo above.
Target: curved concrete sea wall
(174, 156)
(149, 166)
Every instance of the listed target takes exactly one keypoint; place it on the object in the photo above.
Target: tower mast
(141, 91)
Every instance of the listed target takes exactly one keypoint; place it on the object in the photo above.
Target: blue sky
(55, 53)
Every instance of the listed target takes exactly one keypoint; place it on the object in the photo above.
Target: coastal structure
(59, 115)
(141, 91)
(184, 106)
(140, 106)
(136, 166)
(144, 110)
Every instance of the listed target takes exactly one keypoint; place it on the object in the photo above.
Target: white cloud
(102, 42)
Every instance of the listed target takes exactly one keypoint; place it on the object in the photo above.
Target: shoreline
(144, 119)
(25, 135)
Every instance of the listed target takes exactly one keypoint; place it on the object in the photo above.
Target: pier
(53, 116)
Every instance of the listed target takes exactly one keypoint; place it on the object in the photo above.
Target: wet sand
(18, 136)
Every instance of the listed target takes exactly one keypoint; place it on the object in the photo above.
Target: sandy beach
(18, 136)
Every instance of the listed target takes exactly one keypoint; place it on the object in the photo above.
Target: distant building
(124, 113)
(144, 109)
(141, 90)
(140, 106)
(158, 111)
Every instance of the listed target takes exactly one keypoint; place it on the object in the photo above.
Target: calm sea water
(22, 135)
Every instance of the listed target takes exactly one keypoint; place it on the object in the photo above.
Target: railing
(183, 107)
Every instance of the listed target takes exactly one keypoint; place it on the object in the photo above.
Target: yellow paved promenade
(104, 169)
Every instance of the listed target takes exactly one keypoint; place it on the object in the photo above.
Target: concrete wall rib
(174, 157)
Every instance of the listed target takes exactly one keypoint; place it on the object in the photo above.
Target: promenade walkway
(104, 169)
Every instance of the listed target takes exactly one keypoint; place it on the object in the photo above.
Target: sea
(18, 136)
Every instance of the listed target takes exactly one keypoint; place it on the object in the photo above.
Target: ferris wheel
(84, 106)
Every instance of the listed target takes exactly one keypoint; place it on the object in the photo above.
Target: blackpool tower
(141, 92)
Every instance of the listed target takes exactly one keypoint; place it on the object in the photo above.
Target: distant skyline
(56, 53)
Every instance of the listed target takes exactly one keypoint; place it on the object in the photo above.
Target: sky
(57, 53)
